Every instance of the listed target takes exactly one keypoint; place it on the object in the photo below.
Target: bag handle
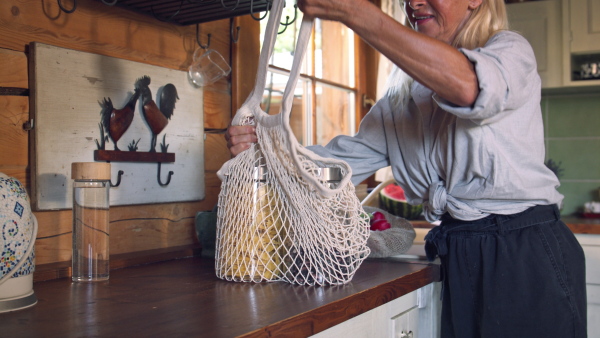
(286, 108)
(251, 108)
(252, 104)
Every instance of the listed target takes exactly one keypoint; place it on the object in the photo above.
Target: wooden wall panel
(13, 69)
(14, 112)
(245, 62)
(97, 28)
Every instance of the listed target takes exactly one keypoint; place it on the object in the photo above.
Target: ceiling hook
(198, 38)
(169, 18)
(287, 20)
(114, 2)
(67, 10)
(266, 11)
(237, 3)
(234, 37)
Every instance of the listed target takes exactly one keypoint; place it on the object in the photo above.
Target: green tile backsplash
(572, 130)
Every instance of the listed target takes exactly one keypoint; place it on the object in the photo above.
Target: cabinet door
(591, 247)
(540, 23)
(585, 26)
(593, 308)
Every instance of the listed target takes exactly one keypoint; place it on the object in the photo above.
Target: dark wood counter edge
(576, 224)
(334, 313)
(50, 271)
(583, 225)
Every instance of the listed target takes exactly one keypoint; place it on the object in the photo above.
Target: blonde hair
(484, 22)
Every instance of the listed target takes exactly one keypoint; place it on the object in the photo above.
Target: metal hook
(287, 20)
(110, 3)
(231, 9)
(67, 10)
(198, 38)
(234, 38)
(120, 173)
(168, 177)
(266, 11)
(169, 18)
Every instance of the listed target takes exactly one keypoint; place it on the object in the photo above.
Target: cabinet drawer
(591, 247)
(374, 323)
(593, 309)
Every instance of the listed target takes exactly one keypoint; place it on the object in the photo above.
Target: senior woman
(461, 128)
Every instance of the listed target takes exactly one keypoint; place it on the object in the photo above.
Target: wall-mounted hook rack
(136, 156)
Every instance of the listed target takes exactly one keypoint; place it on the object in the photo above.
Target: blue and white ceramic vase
(18, 230)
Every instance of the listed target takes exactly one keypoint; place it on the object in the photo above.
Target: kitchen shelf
(132, 156)
(189, 12)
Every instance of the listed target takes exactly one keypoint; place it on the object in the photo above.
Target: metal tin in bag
(332, 176)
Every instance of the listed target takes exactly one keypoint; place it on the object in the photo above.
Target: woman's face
(439, 19)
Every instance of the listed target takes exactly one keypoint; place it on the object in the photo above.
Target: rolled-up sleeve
(506, 70)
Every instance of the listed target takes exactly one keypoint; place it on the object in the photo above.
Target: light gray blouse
(468, 161)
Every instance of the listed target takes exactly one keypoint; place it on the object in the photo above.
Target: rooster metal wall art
(115, 122)
(157, 117)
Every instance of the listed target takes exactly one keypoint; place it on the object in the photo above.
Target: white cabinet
(585, 26)
(564, 34)
(415, 315)
(591, 247)
(581, 34)
(540, 23)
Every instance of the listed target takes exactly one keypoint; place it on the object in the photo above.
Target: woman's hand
(239, 138)
(336, 10)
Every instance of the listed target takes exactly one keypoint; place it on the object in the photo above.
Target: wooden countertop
(185, 297)
(577, 224)
(583, 225)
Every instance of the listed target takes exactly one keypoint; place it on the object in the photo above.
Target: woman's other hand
(336, 10)
(239, 138)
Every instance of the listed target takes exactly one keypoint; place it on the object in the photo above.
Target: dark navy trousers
(520, 275)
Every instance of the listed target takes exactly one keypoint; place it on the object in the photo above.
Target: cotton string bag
(279, 219)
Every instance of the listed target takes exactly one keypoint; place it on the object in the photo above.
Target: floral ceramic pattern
(16, 227)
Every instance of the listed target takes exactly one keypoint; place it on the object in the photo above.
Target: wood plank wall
(111, 31)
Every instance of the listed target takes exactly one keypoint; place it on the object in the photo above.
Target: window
(324, 102)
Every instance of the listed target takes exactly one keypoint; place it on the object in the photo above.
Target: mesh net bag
(393, 241)
(280, 217)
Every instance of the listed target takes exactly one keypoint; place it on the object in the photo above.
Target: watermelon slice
(393, 200)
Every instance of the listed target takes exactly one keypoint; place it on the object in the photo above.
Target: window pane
(273, 96)
(334, 52)
(285, 43)
(335, 113)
